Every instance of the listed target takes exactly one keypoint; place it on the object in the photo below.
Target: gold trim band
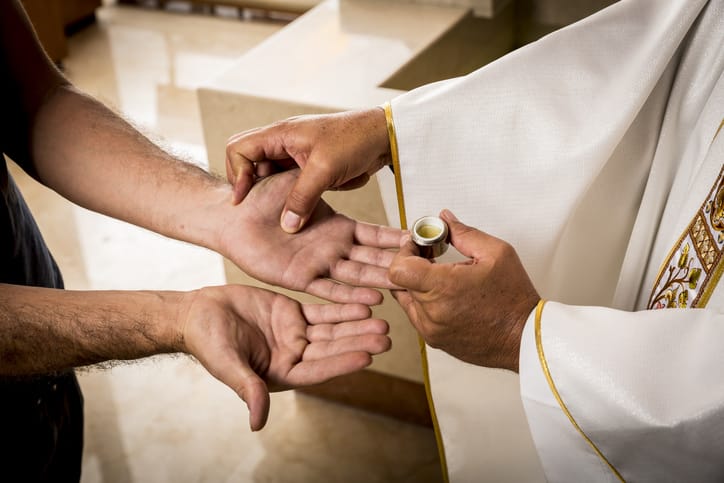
(717, 272)
(554, 390)
(719, 129)
(707, 252)
(392, 134)
(433, 413)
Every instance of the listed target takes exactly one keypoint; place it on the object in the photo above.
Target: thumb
(256, 396)
(304, 196)
(409, 270)
(251, 389)
(467, 240)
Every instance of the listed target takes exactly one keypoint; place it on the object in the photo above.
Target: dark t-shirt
(24, 257)
(41, 417)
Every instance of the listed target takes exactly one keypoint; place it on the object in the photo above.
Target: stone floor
(165, 419)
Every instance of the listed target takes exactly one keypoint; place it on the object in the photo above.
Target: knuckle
(503, 252)
(436, 313)
(238, 137)
(298, 198)
(402, 273)
(506, 249)
(231, 152)
(394, 273)
(325, 168)
(231, 140)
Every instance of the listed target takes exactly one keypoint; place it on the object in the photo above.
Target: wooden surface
(53, 18)
(47, 19)
(77, 13)
(379, 393)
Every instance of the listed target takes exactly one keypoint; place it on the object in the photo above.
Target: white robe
(591, 151)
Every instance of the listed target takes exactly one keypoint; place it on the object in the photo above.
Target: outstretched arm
(251, 339)
(97, 160)
(78, 147)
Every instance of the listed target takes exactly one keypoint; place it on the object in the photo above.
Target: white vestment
(593, 151)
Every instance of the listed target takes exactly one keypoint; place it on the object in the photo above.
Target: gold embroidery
(679, 277)
(717, 210)
(703, 242)
(688, 276)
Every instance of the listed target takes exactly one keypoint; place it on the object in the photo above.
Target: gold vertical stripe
(719, 129)
(392, 134)
(433, 413)
(403, 224)
(712, 278)
(554, 390)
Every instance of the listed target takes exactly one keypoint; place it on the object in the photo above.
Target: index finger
(377, 236)
(240, 173)
(409, 270)
(329, 313)
(254, 147)
(243, 150)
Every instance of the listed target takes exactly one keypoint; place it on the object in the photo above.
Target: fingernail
(291, 222)
(404, 240)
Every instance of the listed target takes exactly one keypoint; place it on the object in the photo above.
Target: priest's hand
(256, 341)
(474, 310)
(335, 151)
(332, 245)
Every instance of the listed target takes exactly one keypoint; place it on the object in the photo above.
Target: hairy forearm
(45, 330)
(94, 158)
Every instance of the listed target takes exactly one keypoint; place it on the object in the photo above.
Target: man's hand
(251, 339)
(331, 245)
(256, 341)
(335, 151)
(474, 310)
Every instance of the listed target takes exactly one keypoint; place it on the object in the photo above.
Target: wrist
(168, 338)
(179, 322)
(205, 222)
(515, 335)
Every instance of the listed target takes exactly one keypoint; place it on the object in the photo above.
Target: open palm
(256, 341)
(333, 257)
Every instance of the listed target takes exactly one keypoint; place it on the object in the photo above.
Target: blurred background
(189, 74)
